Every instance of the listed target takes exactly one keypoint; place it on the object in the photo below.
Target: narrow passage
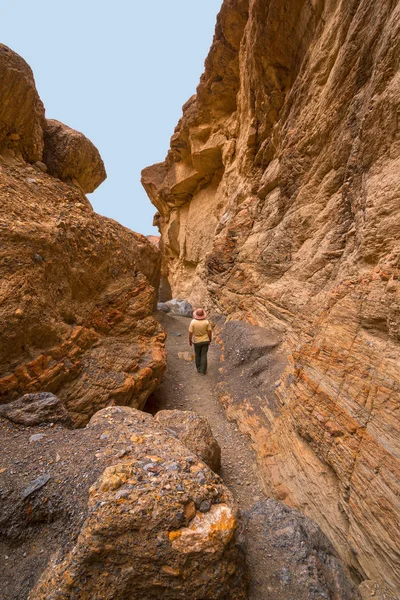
(184, 389)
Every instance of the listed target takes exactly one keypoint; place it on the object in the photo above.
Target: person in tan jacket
(200, 336)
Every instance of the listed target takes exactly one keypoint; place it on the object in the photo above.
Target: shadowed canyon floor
(183, 388)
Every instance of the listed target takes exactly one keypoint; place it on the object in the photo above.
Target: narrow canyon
(124, 475)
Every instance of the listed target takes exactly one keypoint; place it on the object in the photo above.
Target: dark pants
(200, 355)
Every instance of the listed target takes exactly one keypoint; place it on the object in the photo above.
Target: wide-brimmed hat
(199, 314)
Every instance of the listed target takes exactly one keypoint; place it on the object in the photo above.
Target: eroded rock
(21, 110)
(71, 157)
(293, 559)
(194, 432)
(278, 204)
(78, 290)
(132, 525)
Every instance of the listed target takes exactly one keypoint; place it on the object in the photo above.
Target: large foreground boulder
(119, 509)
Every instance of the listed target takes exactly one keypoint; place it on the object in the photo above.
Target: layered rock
(78, 290)
(130, 512)
(278, 204)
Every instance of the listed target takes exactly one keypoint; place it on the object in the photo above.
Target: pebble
(36, 437)
(204, 506)
(36, 485)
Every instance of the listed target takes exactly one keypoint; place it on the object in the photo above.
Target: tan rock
(194, 432)
(71, 157)
(188, 356)
(208, 532)
(21, 110)
(278, 204)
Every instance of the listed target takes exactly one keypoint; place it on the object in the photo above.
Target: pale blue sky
(119, 72)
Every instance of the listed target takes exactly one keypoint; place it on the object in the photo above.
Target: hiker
(200, 336)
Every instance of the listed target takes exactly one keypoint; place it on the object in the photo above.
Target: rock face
(278, 204)
(194, 432)
(295, 559)
(129, 513)
(78, 290)
(71, 157)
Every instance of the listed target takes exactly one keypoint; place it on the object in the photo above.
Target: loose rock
(294, 559)
(194, 432)
(33, 409)
(147, 521)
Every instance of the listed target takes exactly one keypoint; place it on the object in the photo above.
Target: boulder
(21, 110)
(194, 432)
(163, 307)
(71, 157)
(183, 308)
(294, 559)
(34, 409)
(125, 510)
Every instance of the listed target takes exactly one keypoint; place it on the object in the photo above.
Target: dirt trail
(185, 389)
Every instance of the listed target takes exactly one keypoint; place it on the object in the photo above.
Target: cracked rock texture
(36, 409)
(278, 204)
(21, 110)
(77, 289)
(117, 513)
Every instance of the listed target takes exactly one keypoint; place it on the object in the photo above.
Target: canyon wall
(77, 289)
(278, 204)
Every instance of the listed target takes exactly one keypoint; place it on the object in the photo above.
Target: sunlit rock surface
(278, 203)
(194, 432)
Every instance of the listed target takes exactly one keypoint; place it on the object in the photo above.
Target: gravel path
(185, 389)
